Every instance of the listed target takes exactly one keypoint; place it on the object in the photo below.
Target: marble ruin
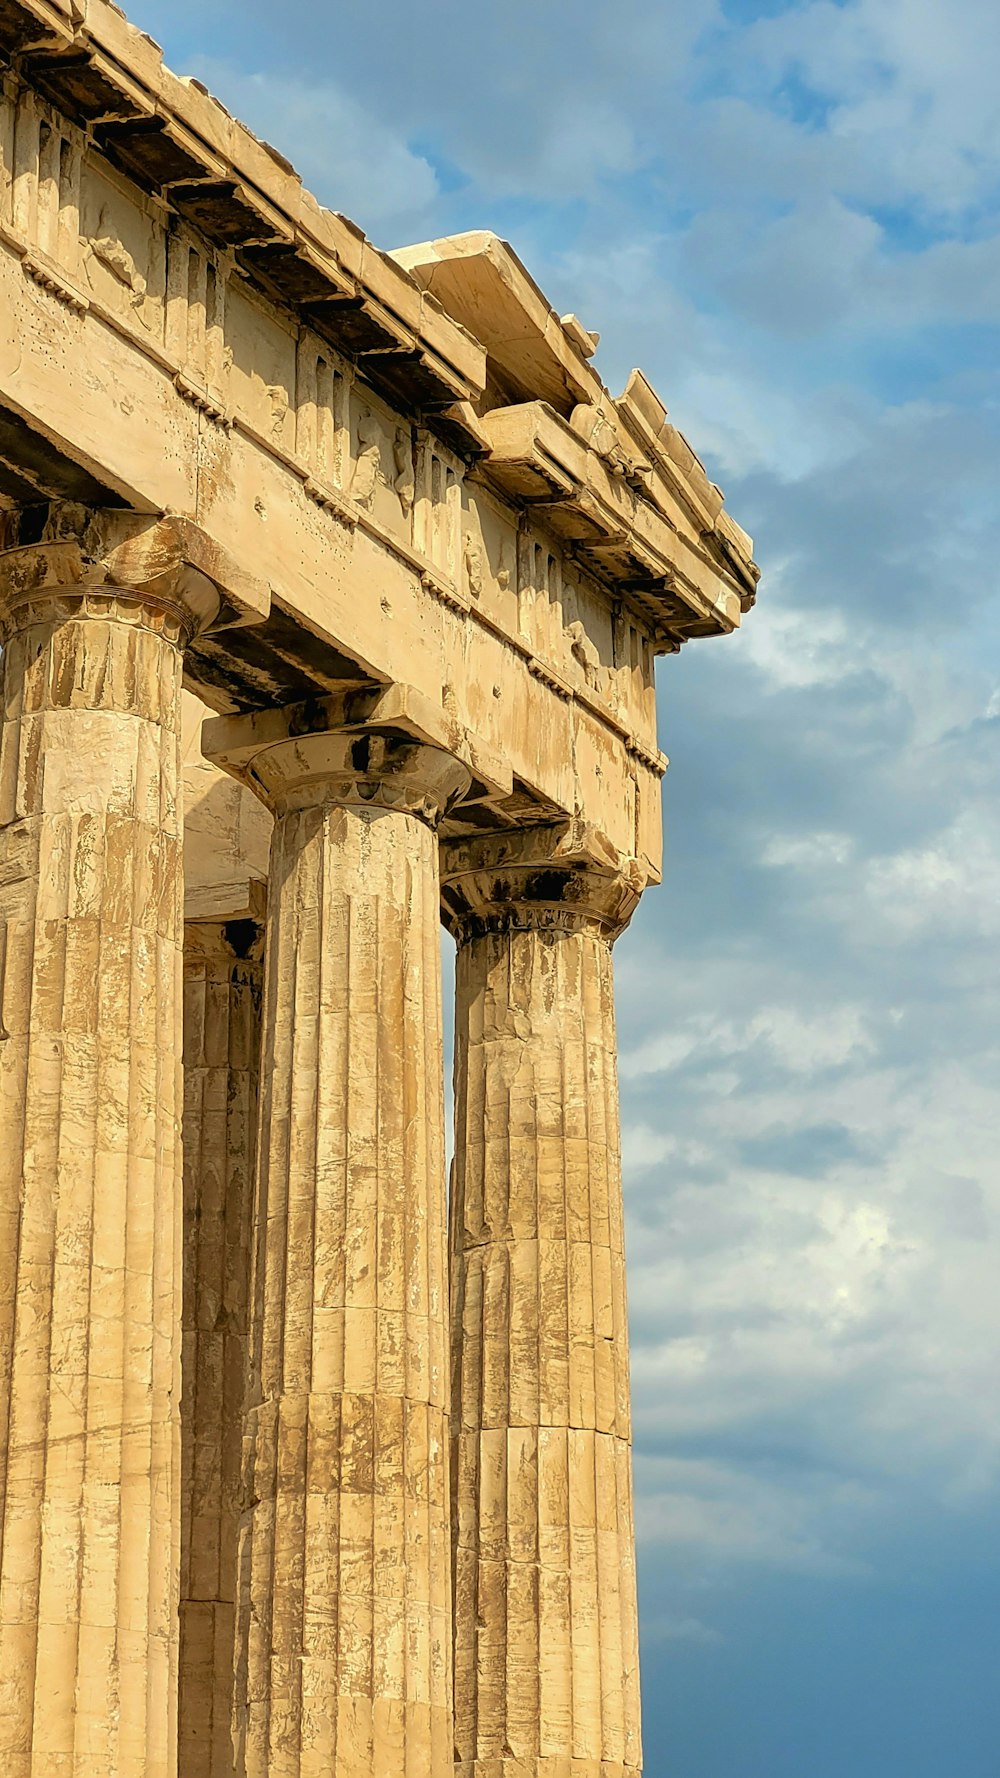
(331, 587)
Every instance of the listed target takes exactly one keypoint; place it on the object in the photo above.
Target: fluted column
(95, 616)
(223, 971)
(344, 1666)
(546, 1637)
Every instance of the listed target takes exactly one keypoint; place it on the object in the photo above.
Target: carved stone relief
(594, 424)
(585, 654)
(111, 253)
(473, 563)
(278, 397)
(122, 253)
(263, 365)
(404, 481)
(368, 464)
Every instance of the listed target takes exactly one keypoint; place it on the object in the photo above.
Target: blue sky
(788, 216)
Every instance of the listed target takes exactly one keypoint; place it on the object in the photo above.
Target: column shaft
(223, 971)
(546, 1634)
(345, 1585)
(90, 1078)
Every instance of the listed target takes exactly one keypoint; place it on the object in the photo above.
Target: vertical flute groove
(222, 989)
(545, 1611)
(345, 1539)
(90, 875)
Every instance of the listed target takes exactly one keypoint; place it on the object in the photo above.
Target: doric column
(223, 971)
(546, 1656)
(95, 609)
(344, 1657)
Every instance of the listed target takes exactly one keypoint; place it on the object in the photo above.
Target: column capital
(60, 560)
(564, 877)
(375, 747)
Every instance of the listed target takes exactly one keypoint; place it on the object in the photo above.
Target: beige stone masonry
(344, 1656)
(95, 611)
(223, 972)
(415, 450)
(546, 1635)
(227, 835)
(420, 562)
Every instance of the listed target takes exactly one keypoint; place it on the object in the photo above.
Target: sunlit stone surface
(415, 563)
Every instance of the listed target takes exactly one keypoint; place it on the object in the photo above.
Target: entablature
(107, 257)
(440, 328)
(620, 482)
(436, 486)
(634, 544)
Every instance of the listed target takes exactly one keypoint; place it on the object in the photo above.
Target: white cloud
(807, 851)
(910, 82)
(728, 1516)
(796, 649)
(813, 1277)
(351, 159)
(644, 1147)
(801, 1044)
(948, 888)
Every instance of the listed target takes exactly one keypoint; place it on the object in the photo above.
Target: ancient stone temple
(331, 587)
